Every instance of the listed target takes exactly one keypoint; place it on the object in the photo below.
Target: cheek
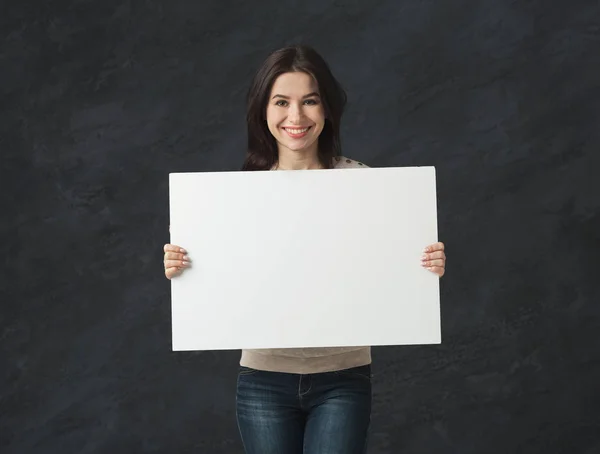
(269, 116)
(319, 118)
(272, 120)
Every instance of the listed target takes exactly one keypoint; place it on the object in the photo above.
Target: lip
(296, 136)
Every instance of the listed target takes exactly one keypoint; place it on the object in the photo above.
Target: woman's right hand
(176, 260)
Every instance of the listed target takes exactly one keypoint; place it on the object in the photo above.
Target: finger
(434, 255)
(172, 272)
(173, 256)
(437, 262)
(168, 263)
(176, 263)
(176, 256)
(437, 270)
(174, 248)
(439, 246)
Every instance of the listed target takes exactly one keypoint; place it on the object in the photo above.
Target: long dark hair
(262, 147)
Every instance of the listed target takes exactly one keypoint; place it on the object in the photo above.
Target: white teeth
(296, 131)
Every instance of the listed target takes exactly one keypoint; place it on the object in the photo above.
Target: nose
(294, 113)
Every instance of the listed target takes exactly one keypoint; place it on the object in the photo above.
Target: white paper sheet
(318, 258)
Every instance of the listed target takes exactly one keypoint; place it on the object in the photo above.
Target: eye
(281, 102)
(311, 102)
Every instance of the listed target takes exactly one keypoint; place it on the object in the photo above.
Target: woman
(311, 400)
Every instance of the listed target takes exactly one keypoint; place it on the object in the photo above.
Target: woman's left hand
(434, 259)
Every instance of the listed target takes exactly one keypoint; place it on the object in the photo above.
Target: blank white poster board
(304, 258)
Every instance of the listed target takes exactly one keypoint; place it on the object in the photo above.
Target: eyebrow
(314, 93)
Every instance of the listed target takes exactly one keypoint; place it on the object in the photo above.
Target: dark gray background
(102, 99)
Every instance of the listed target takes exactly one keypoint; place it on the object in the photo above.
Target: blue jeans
(324, 413)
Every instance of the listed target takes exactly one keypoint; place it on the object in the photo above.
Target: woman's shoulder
(342, 162)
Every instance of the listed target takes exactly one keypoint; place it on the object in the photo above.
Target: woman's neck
(298, 160)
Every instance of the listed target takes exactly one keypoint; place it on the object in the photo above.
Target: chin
(298, 148)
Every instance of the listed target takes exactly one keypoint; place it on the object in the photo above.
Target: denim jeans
(324, 413)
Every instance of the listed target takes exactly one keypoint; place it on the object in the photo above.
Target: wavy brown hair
(262, 147)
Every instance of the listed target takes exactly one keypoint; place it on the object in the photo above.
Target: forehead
(294, 84)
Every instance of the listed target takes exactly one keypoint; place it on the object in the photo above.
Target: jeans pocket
(363, 372)
(243, 370)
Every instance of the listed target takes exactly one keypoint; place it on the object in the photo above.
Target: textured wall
(101, 100)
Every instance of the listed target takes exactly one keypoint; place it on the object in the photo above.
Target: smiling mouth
(296, 132)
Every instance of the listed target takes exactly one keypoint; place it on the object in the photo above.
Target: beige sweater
(309, 360)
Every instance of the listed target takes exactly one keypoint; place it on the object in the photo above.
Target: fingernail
(185, 263)
(183, 251)
(185, 257)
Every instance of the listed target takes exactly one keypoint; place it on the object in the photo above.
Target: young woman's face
(295, 114)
